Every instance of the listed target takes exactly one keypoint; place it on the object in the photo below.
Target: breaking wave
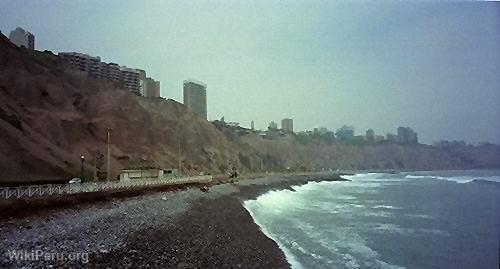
(457, 179)
(375, 219)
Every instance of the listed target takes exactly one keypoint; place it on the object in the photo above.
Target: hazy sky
(432, 66)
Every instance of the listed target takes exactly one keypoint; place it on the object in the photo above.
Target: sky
(433, 66)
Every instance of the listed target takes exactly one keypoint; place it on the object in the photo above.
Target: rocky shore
(182, 229)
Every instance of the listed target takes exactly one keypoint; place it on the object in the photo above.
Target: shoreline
(39, 206)
(183, 229)
(226, 225)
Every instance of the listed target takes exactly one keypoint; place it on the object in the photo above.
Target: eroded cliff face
(49, 118)
(283, 152)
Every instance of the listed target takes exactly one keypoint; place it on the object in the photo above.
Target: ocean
(436, 219)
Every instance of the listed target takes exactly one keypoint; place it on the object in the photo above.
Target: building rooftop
(194, 81)
(19, 29)
(80, 54)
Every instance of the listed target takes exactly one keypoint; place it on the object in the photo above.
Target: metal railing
(62, 189)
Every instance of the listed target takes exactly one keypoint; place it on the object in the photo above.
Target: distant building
(195, 97)
(252, 125)
(83, 62)
(316, 130)
(379, 138)
(273, 125)
(22, 38)
(391, 137)
(141, 174)
(323, 130)
(406, 135)
(152, 88)
(110, 72)
(370, 135)
(305, 133)
(287, 125)
(345, 133)
(142, 82)
(133, 80)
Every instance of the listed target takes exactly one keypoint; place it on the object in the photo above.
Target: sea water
(443, 219)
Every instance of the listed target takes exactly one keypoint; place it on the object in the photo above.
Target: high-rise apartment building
(83, 62)
(287, 125)
(111, 71)
(22, 38)
(195, 97)
(133, 80)
(142, 82)
(406, 135)
(152, 88)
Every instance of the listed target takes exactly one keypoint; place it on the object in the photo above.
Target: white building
(141, 174)
(22, 38)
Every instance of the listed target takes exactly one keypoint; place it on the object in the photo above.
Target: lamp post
(108, 159)
(179, 155)
(81, 170)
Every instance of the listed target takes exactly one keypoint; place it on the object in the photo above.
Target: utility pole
(179, 152)
(108, 168)
(95, 164)
(81, 169)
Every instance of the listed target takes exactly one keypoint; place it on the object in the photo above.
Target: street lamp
(81, 170)
(108, 171)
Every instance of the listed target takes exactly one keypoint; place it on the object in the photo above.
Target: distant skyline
(431, 66)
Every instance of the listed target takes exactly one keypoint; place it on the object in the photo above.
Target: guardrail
(62, 189)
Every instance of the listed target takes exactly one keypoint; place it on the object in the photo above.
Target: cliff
(49, 117)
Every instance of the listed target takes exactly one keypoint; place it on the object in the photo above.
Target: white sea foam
(350, 261)
(345, 247)
(329, 225)
(362, 176)
(249, 206)
(422, 216)
(383, 214)
(392, 228)
(457, 179)
(386, 207)
(361, 248)
(384, 265)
